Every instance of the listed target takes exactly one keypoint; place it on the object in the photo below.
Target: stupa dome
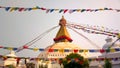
(109, 43)
(11, 54)
(62, 42)
(63, 45)
(12, 60)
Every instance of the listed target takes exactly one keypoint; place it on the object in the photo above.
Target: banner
(36, 58)
(66, 50)
(50, 10)
(95, 29)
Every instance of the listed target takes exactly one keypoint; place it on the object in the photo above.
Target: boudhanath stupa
(62, 41)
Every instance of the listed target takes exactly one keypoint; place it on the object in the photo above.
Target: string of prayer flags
(96, 29)
(69, 59)
(66, 50)
(50, 10)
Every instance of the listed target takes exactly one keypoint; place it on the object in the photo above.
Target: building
(62, 41)
(10, 61)
(61, 47)
(115, 64)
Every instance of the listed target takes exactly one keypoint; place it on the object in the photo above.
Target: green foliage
(74, 55)
(10, 66)
(30, 65)
(41, 66)
(107, 64)
(75, 60)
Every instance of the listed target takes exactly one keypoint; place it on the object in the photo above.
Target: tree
(75, 60)
(107, 64)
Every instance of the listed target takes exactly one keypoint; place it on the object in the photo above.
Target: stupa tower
(62, 35)
(62, 45)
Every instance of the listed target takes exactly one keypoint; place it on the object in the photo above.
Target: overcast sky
(18, 28)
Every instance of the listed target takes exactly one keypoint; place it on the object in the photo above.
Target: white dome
(109, 43)
(12, 54)
(63, 45)
(59, 54)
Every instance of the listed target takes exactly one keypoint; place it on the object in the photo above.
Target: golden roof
(62, 35)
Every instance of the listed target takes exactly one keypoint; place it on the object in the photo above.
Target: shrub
(74, 60)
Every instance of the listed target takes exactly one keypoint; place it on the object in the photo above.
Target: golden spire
(62, 35)
(62, 21)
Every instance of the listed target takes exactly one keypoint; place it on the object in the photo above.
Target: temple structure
(10, 61)
(113, 54)
(62, 41)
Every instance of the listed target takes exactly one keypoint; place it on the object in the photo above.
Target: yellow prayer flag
(34, 8)
(118, 35)
(35, 49)
(61, 50)
(12, 9)
(9, 48)
(78, 10)
(112, 50)
(101, 9)
(85, 50)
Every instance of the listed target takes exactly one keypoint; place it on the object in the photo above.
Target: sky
(18, 28)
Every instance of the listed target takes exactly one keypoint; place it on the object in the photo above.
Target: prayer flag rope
(66, 50)
(95, 29)
(50, 10)
(3, 57)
